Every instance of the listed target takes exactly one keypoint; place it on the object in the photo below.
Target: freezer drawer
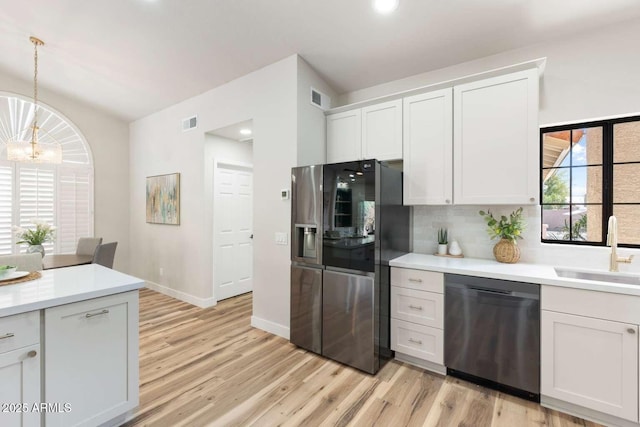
(349, 327)
(306, 308)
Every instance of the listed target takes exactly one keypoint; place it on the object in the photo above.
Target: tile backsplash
(467, 227)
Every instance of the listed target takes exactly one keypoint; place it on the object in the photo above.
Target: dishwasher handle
(490, 291)
(495, 287)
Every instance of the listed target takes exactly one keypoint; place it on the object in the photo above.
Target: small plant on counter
(510, 228)
(442, 236)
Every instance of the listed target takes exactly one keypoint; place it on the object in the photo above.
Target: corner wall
(311, 120)
(108, 138)
(185, 252)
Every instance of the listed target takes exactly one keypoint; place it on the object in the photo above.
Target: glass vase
(32, 249)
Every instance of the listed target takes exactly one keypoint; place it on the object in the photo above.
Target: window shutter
(6, 210)
(75, 207)
(36, 193)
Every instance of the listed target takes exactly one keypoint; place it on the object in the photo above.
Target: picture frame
(163, 199)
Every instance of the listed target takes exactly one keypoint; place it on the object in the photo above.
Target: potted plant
(508, 229)
(442, 241)
(35, 237)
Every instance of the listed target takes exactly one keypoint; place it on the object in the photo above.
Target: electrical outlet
(161, 271)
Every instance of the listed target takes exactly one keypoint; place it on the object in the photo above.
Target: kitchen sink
(601, 276)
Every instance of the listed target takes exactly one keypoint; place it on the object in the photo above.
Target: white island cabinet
(69, 348)
(20, 369)
(91, 359)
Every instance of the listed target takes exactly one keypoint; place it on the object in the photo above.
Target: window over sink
(590, 171)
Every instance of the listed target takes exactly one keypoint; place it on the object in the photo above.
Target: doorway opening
(231, 150)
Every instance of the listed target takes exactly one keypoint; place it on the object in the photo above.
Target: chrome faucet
(612, 240)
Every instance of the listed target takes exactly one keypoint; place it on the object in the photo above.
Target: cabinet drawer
(424, 308)
(417, 279)
(600, 305)
(418, 341)
(19, 330)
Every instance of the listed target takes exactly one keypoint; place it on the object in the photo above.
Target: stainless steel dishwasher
(492, 333)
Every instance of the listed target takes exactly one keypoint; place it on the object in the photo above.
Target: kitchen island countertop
(64, 286)
(520, 272)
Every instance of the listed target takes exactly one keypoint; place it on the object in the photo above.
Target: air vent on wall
(320, 100)
(189, 123)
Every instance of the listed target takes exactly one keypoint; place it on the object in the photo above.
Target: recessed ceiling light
(385, 6)
(245, 131)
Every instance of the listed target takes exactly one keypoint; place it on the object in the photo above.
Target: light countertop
(63, 286)
(520, 272)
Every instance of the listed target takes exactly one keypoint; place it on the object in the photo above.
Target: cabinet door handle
(415, 280)
(89, 315)
(532, 199)
(447, 201)
(415, 341)
(9, 335)
(631, 330)
(416, 307)
(32, 353)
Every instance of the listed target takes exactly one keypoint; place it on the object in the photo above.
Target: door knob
(251, 237)
(631, 330)
(32, 353)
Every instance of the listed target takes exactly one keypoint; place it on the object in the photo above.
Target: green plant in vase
(443, 240)
(508, 229)
(35, 236)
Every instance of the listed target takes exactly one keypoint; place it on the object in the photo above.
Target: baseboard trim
(585, 413)
(182, 296)
(421, 363)
(271, 327)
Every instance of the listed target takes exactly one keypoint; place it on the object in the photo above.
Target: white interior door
(232, 228)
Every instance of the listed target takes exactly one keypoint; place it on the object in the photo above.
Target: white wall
(589, 76)
(311, 121)
(268, 97)
(108, 138)
(217, 147)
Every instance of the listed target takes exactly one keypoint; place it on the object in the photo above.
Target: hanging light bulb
(34, 151)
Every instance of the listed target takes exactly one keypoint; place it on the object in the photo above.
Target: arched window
(61, 195)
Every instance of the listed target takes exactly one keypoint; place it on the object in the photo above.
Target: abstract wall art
(163, 199)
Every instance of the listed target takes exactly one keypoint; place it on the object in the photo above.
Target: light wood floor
(210, 367)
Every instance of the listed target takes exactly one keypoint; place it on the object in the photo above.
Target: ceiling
(134, 57)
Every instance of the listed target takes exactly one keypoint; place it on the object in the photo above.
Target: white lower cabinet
(589, 354)
(20, 370)
(591, 363)
(417, 317)
(91, 359)
(418, 341)
(20, 387)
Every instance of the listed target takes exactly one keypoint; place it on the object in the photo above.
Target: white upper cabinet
(495, 143)
(428, 148)
(373, 132)
(382, 131)
(344, 136)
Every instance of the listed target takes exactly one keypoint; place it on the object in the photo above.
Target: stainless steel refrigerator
(306, 258)
(343, 239)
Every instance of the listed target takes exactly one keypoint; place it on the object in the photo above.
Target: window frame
(607, 175)
(71, 162)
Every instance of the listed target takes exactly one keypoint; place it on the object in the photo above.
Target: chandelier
(32, 150)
